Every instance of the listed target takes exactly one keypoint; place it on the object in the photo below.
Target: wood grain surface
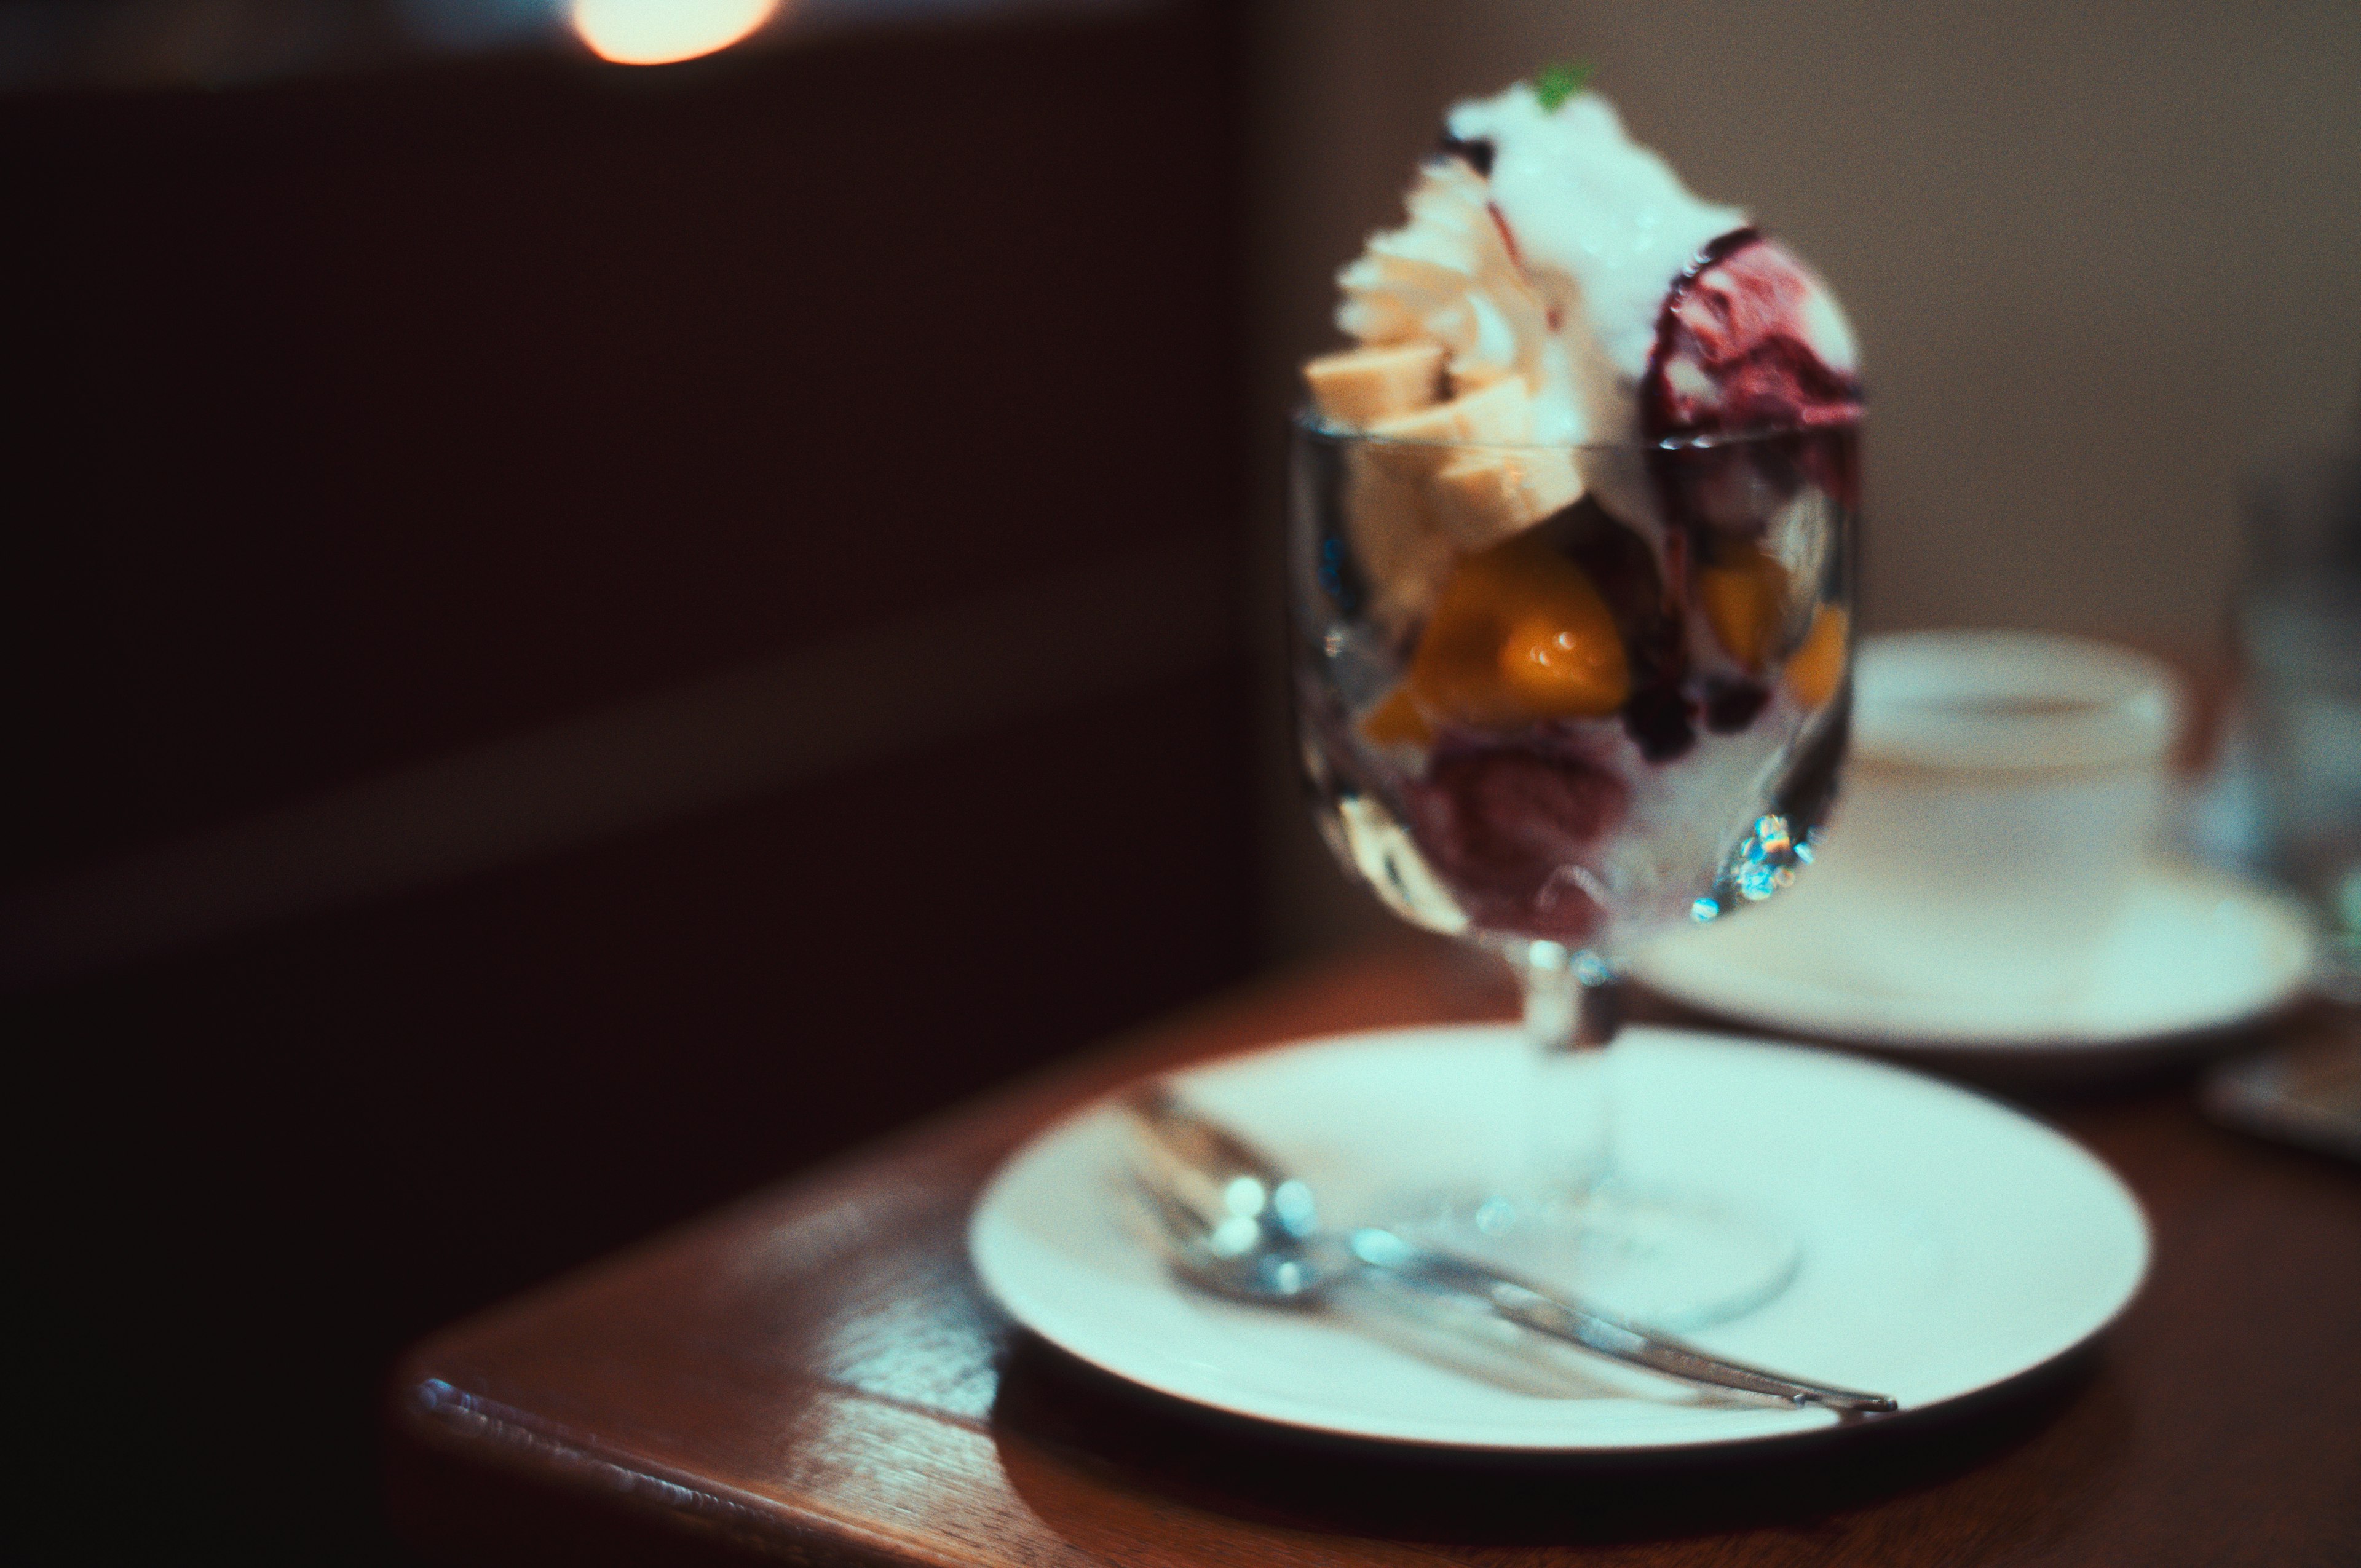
(814, 1376)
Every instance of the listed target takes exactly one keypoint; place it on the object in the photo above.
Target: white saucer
(1949, 1244)
(2192, 953)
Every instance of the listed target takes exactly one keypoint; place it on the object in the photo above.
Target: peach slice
(1743, 602)
(1398, 722)
(1559, 669)
(1519, 635)
(1818, 666)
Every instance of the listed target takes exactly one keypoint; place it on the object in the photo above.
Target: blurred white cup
(2002, 788)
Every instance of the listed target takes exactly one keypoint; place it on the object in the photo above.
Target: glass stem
(1574, 1005)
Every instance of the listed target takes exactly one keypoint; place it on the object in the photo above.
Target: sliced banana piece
(1481, 498)
(1404, 556)
(1473, 376)
(1361, 386)
(1500, 413)
(1421, 497)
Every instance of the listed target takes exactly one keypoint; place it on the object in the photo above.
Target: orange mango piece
(1396, 721)
(1564, 669)
(1820, 663)
(1742, 601)
(1518, 635)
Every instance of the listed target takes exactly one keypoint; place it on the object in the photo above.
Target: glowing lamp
(656, 32)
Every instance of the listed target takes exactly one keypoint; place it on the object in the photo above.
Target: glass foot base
(1665, 1261)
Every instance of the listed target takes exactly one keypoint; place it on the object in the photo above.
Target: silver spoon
(1236, 1225)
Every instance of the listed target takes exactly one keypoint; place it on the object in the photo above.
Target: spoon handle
(1202, 1160)
(1520, 1303)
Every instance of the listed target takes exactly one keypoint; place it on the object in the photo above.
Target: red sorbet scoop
(1749, 339)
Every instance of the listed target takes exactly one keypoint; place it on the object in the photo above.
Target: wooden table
(813, 1376)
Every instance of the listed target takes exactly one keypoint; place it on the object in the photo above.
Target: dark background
(361, 421)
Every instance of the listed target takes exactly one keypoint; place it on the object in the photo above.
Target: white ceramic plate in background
(1950, 1244)
(2192, 953)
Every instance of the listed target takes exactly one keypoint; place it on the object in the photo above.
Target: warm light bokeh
(656, 32)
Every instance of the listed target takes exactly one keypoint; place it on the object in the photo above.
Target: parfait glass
(1554, 701)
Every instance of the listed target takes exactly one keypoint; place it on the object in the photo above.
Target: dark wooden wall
(353, 425)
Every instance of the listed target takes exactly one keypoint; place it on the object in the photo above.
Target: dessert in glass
(1571, 547)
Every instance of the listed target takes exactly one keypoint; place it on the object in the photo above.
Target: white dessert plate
(2192, 953)
(1949, 1244)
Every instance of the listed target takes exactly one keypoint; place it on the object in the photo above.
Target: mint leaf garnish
(1562, 80)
